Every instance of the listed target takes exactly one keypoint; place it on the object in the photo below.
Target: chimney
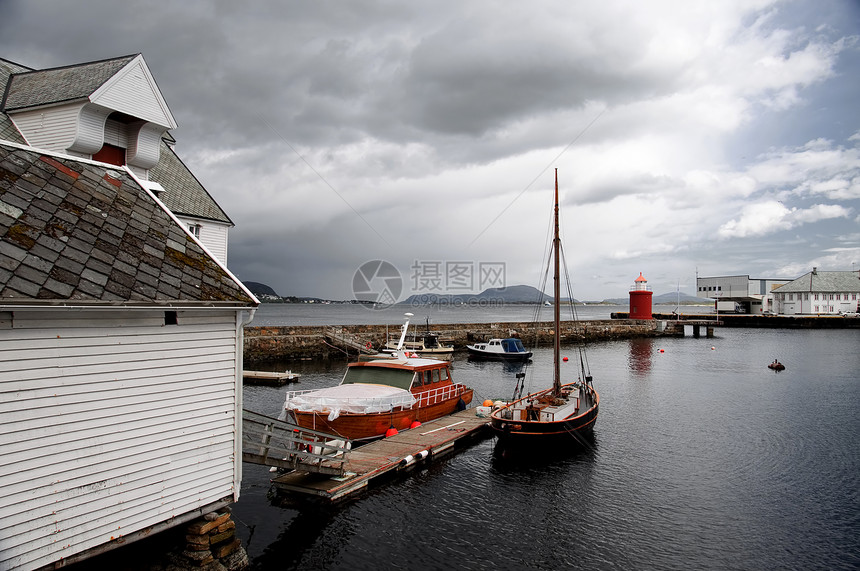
(814, 271)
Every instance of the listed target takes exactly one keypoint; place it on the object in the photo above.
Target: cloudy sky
(689, 135)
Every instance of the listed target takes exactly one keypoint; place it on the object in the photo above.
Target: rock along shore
(284, 343)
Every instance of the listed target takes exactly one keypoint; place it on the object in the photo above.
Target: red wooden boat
(377, 395)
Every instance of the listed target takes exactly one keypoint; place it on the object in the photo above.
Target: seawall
(283, 343)
(760, 321)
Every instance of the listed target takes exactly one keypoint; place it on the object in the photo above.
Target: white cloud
(772, 216)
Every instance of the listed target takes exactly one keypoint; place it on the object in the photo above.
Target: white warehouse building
(742, 293)
(814, 293)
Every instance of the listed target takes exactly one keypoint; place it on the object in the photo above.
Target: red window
(110, 154)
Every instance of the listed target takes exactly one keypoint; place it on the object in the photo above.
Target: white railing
(434, 396)
(272, 442)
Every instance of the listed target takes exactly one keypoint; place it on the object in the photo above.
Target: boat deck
(395, 453)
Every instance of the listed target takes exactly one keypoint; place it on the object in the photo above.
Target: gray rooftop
(75, 231)
(818, 281)
(61, 84)
(185, 195)
(8, 131)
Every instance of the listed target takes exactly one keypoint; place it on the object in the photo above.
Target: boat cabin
(406, 374)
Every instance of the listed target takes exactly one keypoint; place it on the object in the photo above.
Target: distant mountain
(510, 294)
(260, 289)
(664, 298)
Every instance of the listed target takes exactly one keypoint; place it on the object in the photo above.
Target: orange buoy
(488, 402)
(564, 359)
(662, 351)
(415, 424)
(390, 432)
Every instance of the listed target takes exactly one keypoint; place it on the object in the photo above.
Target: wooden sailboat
(563, 414)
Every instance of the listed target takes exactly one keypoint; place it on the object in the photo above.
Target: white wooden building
(120, 341)
(820, 293)
(120, 362)
(113, 112)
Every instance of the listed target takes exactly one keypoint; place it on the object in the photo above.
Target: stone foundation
(211, 545)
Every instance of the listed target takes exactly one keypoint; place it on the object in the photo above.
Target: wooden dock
(389, 455)
(269, 377)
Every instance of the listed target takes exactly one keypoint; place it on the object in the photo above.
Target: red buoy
(415, 424)
(390, 432)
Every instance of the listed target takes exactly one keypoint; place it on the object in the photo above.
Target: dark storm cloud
(337, 132)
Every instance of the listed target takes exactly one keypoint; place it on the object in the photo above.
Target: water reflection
(508, 458)
(302, 544)
(640, 354)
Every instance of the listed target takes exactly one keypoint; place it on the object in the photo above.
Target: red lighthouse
(640, 299)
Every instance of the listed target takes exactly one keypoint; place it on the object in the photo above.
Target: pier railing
(344, 340)
(272, 442)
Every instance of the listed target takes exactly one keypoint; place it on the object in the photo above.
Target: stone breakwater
(284, 343)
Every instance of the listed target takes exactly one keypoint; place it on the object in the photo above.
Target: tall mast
(556, 245)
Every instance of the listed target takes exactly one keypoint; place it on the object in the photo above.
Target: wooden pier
(389, 455)
(269, 378)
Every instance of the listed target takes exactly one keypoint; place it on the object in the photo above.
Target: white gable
(133, 91)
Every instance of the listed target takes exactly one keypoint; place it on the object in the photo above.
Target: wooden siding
(144, 144)
(212, 235)
(53, 128)
(115, 134)
(133, 91)
(112, 422)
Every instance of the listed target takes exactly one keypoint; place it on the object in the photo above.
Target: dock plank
(269, 377)
(436, 437)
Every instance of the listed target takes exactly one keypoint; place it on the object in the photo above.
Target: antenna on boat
(403, 331)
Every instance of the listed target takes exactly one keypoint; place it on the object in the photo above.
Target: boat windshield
(513, 346)
(400, 378)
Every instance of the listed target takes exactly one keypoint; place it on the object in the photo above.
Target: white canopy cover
(354, 397)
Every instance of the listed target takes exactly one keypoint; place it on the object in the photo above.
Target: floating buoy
(415, 424)
(713, 348)
(564, 359)
(662, 351)
(488, 402)
(390, 432)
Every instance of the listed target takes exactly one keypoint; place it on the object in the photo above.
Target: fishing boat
(425, 344)
(776, 366)
(562, 414)
(510, 349)
(380, 396)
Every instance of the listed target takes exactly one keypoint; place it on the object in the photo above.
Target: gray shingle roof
(185, 195)
(61, 84)
(829, 282)
(8, 131)
(73, 231)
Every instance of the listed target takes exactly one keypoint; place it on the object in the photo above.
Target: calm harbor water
(350, 314)
(703, 458)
